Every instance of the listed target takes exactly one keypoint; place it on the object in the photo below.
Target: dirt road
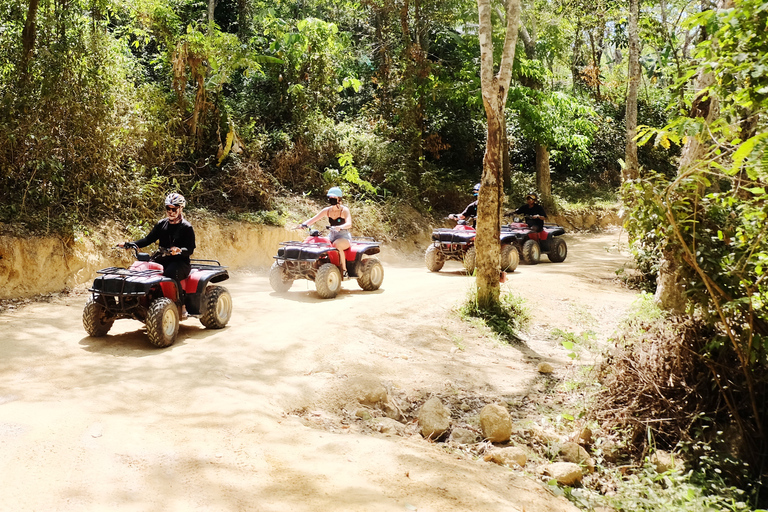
(251, 417)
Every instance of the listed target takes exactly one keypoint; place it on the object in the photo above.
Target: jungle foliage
(710, 218)
(107, 105)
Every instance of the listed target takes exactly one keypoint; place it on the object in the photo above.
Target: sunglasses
(171, 208)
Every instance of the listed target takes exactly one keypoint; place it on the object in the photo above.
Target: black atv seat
(302, 251)
(453, 236)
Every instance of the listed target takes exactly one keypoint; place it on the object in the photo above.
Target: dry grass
(655, 386)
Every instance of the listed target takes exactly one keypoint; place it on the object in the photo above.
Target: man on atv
(533, 211)
(470, 210)
(176, 239)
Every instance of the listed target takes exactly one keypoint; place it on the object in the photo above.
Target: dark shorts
(177, 270)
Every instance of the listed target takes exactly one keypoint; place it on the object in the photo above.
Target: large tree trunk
(631, 169)
(494, 89)
(28, 36)
(543, 177)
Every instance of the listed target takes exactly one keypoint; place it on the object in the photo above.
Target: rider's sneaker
(184, 314)
(346, 275)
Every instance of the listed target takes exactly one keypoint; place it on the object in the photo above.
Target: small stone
(368, 391)
(508, 456)
(545, 368)
(573, 452)
(388, 426)
(434, 418)
(565, 473)
(662, 461)
(463, 436)
(496, 423)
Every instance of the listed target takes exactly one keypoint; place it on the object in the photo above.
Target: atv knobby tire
(371, 274)
(470, 260)
(434, 258)
(509, 258)
(531, 252)
(216, 307)
(277, 279)
(328, 281)
(95, 319)
(162, 322)
(558, 251)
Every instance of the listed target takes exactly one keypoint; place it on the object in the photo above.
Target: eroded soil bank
(33, 265)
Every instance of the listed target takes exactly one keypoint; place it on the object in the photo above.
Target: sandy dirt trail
(243, 418)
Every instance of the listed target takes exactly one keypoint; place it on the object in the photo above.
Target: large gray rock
(496, 423)
(434, 418)
(565, 473)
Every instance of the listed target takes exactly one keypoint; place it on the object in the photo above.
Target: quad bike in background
(532, 244)
(316, 259)
(458, 244)
(143, 293)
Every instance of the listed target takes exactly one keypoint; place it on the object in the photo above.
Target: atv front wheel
(217, 307)
(162, 322)
(96, 321)
(434, 258)
(371, 274)
(277, 279)
(328, 281)
(509, 258)
(470, 260)
(531, 252)
(559, 251)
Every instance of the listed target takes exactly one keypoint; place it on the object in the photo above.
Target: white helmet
(174, 199)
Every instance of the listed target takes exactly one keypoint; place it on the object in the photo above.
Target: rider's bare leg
(341, 245)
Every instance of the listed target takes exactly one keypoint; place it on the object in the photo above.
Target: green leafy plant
(511, 315)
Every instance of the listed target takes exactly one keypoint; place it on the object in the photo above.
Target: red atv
(142, 292)
(459, 244)
(531, 244)
(317, 259)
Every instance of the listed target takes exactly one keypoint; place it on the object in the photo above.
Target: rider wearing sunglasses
(176, 239)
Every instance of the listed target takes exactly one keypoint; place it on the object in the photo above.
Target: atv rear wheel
(217, 307)
(509, 258)
(470, 260)
(559, 251)
(434, 258)
(371, 274)
(162, 322)
(96, 321)
(328, 281)
(531, 252)
(277, 279)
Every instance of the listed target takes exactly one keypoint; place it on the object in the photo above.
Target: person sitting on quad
(470, 210)
(533, 211)
(176, 239)
(340, 220)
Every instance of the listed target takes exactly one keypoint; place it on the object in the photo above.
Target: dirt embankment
(34, 265)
